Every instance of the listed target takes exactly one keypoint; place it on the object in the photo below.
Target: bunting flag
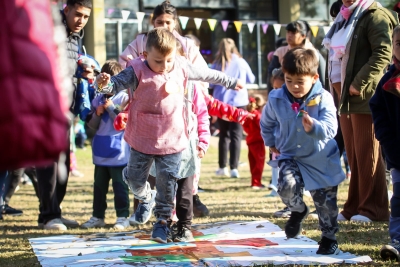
(212, 23)
(184, 21)
(238, 25)
(197, 21)
(125, 14)
(314, 30)
(265, 27)
(225, 24)
(140, 16)
(110, 11)
(277, 28)
(326, 29)
(250, 25)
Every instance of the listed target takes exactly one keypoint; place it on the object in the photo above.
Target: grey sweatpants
(290, 189)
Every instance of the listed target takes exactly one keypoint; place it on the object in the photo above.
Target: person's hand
(239, 85)
(108, 103)
(88, 73)
(250, 116)
(274, 150)
(353, 91)
(308, 122)
(200, 152)
(100, 110)
(103, 79)
(214, 119)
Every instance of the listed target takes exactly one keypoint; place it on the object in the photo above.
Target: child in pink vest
(156, 128)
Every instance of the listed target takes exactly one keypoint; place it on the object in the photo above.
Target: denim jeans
(167, 167)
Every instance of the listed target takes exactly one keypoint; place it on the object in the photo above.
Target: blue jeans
(3, 176)
(167, 167)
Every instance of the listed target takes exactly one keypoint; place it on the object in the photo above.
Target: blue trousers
(394, 220)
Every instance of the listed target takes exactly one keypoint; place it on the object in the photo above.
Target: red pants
(257, 161)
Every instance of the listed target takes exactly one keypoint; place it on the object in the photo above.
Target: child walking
(155, 130)
(385, 108)
(255, 142)
(299, 124)
(110, 154)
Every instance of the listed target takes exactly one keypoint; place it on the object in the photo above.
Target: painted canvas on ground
(217, 244)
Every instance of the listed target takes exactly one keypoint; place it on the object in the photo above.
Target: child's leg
(394, 221)
(121, 192)
(184, 202)
(325, 201)
(257, 161)
(167, 167)
(100, 190)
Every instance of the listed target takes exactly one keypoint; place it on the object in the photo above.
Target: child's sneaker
(294, 224)
(328, 247)
(121, 223)
(235, 173)
(94, 222)
(222, 172)
(283, 213)
(184, 235)
(313, 215)
(55, 224)
(391, 251)
(160, 232)
(145, 209)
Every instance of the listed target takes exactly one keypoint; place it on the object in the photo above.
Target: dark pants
(52, 188)
(230, 137)
(102, 176)
(184, 202)
(14, 178)
(80, 139)
(3, 176)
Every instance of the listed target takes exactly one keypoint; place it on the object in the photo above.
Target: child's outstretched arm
(268, 123)
(106, 84)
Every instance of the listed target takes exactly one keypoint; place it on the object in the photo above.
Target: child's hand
(250, 116)
(103, 79)
(239, 85)
(353, 91)
(108, 103)
(100, 110)
(274, 150)
(308, 123)
(200, 152)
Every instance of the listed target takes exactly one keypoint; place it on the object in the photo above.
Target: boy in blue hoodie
(110, 154)
(299, 125)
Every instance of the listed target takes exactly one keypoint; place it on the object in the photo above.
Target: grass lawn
(228, 200)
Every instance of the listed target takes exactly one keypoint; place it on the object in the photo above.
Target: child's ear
(145, 54)
(315, 78)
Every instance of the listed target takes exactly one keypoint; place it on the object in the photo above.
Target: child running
(155, 130)
(110, 154)
(299, 124)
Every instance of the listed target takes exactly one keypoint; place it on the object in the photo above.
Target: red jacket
(252, 128)
(224, 111)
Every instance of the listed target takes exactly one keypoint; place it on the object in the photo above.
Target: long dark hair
(166, 8)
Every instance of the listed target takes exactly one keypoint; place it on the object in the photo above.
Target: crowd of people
(150, 118)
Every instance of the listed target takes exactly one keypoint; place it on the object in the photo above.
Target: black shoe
(391, 252)
(328, 247)
(184, 235)
(294, 224)
(200, 190)
(7, 210)
(199, 209)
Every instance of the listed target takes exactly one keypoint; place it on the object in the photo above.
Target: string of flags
(212, 23)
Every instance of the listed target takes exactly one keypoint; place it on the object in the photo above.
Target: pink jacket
(203, 123)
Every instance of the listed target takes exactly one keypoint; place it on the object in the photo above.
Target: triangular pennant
(125, 14)
(212, 23)
(225, 24)
(238, 25)
(250, 25)
(184, 21)
(326, 29)
(197, 21)
(277, 28)
(265, 27)
(110, 11)
(140, 16)
(314, 30)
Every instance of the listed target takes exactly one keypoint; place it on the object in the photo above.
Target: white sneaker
(132, 220)
(76, 173)
(121, 223)
(234, 173)
(360, 218)
(69, 222)
(55, 224)
(341, 218)
(93, 222)
(390, 194)
(307, 193)
(222, 172)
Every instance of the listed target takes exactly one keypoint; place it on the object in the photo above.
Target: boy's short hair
(84, 3)
(162, 40)
(111, 67)
(300, 61)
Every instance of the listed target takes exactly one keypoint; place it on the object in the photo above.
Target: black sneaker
(199, 209)
(328, 247)
(184, 235)
(391, 251)
(294, 224)
(7, 210)
(173, 231)
(283, 213)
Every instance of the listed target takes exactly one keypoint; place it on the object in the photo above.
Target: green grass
(228, 200)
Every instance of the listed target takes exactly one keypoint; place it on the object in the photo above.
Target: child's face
(396, 46)
(166, 21)
(300, 85)
(277, 83)
(158, 62)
